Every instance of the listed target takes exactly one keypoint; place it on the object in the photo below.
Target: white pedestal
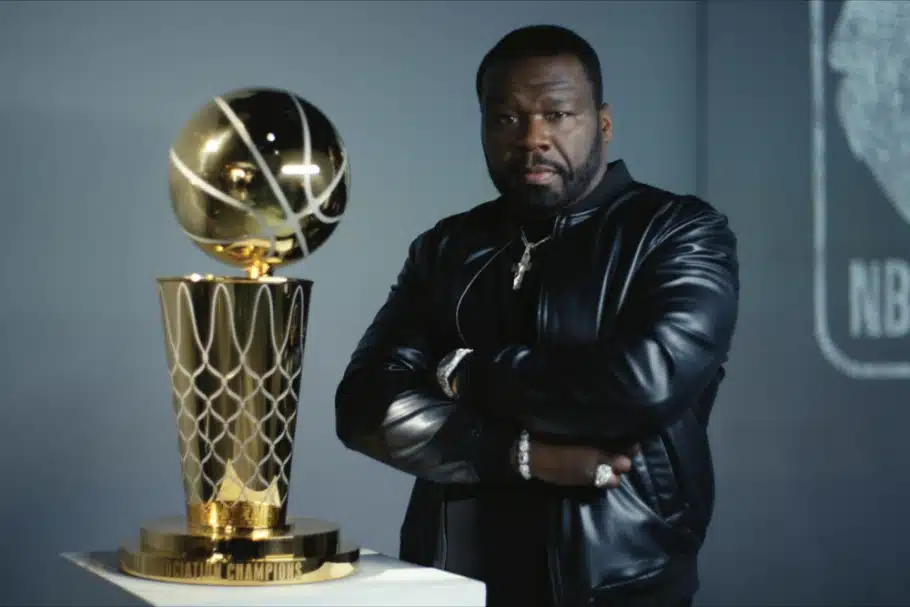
(379, 581)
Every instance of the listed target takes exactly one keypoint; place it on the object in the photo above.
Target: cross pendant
(519, 269)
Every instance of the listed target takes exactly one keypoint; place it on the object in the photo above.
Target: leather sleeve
(674, 332)
(389, 407)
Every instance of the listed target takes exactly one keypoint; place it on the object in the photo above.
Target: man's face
(543, 137)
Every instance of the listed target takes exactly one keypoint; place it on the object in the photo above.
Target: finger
(614, 480)
(620, 463)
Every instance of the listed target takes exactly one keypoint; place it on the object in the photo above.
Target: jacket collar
(612, 185)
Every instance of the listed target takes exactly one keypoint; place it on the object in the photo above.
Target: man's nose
(535, 134)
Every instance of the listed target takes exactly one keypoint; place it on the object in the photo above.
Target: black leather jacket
(636, 303)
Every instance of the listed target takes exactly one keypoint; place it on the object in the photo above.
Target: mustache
(538, 161)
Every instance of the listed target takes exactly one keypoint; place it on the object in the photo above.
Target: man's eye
(506, 119)
(556, 116)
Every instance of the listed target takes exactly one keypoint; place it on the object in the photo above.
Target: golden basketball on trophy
(259, 178)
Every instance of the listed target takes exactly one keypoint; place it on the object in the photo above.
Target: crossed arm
(677, 325)
(389, 407)
(674, 334)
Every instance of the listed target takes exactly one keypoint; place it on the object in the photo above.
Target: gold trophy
(258, 179)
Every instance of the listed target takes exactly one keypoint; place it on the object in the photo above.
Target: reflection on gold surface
(299, 537)
(249, 170)
(235, 354)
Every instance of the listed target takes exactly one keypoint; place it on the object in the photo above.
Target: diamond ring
(602, 475)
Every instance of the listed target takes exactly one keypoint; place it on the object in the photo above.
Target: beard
(509, 181)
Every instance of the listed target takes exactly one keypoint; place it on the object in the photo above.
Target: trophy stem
(235, 355)
(259, 269)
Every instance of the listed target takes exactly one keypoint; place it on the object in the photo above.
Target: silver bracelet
(524, 455)
(447, 366)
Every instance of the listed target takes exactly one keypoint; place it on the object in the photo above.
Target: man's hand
(574, 466)
(566, 465)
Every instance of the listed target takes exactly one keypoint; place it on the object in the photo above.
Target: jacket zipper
(556, 582)
(541, 328)
(444, 514)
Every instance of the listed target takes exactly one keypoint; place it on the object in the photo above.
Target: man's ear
(606, 122)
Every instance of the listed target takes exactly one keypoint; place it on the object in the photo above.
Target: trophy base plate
(305, 551)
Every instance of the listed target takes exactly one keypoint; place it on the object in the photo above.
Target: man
(547, 361)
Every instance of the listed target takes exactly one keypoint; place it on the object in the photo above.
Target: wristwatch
(446, 368)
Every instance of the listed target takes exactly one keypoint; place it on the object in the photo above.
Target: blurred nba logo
(860, 76)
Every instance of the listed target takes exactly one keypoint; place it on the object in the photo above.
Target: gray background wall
(811, 491)
(810, 487)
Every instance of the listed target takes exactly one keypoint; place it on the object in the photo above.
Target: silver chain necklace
(524, 264)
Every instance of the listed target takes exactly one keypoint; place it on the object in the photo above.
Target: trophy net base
(305, 551)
